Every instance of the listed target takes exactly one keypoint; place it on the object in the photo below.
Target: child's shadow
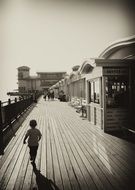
(42, 182)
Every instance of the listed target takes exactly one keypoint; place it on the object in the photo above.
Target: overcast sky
(55, 35)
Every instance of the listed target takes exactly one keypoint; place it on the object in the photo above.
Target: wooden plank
(22, 171)
(63, 169)
(8, 162)
(43, 149)
(95, 161)
(11, 145)
(86, 132)
(15, 170)
(6, 172)
(108, 141)
(28, 177)
(56, 164)
(84, 159)
(99, 172)
(126, 175)
(72, 177)
(49, 169)
(72, 153)
(112, 151)
(76, 170)
(74, 121)
(86, 181)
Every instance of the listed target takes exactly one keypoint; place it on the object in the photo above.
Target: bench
(82, 109)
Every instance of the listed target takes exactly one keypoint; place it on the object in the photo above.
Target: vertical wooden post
(87, 91)
(15, 100)
(104, 102)
(1, 133)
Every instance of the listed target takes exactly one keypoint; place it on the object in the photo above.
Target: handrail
(9, 100)
(14, 100)
(10, 112)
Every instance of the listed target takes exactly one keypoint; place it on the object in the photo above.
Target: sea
(5, 97)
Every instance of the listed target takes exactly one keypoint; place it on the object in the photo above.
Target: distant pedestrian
(52, 95)
(34, 136)
(49, 95)
(45, 97)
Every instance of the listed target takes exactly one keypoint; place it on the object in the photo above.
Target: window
(95, 91)
(92, 91)
(20, 75)
(22, 89)
(116, 91)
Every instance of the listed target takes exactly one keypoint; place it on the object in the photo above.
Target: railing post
(16, 110)
(15, 100)
(9, 101)
(1, 133)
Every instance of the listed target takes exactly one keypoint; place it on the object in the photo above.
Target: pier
(72, 154)
(68, 68)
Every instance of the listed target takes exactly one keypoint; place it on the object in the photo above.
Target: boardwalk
(72, 155)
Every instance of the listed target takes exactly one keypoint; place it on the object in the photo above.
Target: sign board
(116, 118)
(115, 71)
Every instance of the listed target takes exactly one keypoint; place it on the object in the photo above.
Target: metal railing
(10, 111)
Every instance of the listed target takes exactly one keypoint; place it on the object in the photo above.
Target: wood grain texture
(72, 154)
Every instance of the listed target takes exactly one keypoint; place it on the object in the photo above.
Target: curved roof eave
(73, 73)
(117, 45)
(90, 62)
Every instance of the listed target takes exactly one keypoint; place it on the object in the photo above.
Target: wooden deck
(72, 154)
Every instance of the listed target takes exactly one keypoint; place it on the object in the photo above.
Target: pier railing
(9, 112)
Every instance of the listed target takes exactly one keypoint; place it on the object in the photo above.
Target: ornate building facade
(41, 82)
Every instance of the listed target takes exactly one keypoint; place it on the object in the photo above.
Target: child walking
(34, 136)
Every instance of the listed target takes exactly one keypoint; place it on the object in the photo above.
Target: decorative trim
(117, 45)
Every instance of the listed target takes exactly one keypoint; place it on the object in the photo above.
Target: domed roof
(121, 44)
(23, 67)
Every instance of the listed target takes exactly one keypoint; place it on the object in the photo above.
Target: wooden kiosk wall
(100, 114)
(115, 118)
(95, 110)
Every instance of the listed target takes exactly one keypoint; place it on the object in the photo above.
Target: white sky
(55, 36)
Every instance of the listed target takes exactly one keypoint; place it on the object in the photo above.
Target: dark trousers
(33, 152)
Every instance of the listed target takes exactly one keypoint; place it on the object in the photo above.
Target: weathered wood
(58, 138)
(72, 154)
(86, 182)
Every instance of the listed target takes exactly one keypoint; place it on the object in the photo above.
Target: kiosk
(110, 93)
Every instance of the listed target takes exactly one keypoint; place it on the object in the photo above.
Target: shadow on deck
(72, 154)
(125, 134)
(42, 182)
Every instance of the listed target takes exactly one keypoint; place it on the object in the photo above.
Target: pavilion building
(41, 82)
